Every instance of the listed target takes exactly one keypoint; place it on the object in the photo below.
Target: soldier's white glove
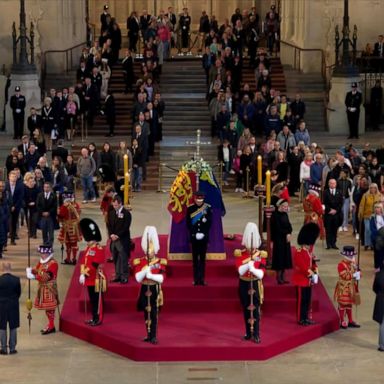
(357, 275)
(200, 236)
(30, 275)
(149, 274)
(82, 279)
(315, 278)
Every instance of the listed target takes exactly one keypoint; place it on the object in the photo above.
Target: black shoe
(48, 331)
(195, 283)
(257, 339)
(335, 247)
(17, 237)
(327, 247)
(88, 322)
(13, 352)
(66, 261)
(353, 325)
(95, 323)
(147, 339)
(13, 242)
(153, 341)
(116, 280)
(3, 352)
(203, 283)
(343, 326)
(124, 281)
(310, 322)
(303, 322)
(380, 349)
(247, 337)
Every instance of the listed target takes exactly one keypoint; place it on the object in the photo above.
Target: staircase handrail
(68, 64)
(300, 49)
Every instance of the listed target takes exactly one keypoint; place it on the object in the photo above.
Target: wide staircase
(312, 90)
(183, 89)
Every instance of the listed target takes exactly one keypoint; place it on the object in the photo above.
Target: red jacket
(303, 264)
(244, 257)
(93, 256)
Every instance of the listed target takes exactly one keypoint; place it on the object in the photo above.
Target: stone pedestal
(30, 88)
(337, 117)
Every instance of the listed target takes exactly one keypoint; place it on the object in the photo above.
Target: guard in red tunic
(305, 271)
(251, 264)
(91, 273)
(150, 272)
(69, 217)
(47, 298)
(313, 208)
(347, 290)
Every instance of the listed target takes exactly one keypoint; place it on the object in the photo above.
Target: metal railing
(68, 62)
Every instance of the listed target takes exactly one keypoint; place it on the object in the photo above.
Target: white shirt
(379, 221)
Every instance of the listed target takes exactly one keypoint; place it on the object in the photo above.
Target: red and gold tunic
(157, 264)
(303, 265)
(69, 217)
(260, 258)
(93, 256)
(346, 287)
(314, 212)
(46, 274)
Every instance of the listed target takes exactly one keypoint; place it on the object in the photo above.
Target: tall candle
(125, 164)
(268, 187)
(259, 170)
(126, 188)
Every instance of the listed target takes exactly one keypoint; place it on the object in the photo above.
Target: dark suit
(34, 122)
(118, 224)
(353, 101)
(199, 222)
(144, 23)
(60, 152)
(133, 27)
(16, 203)
(17, 105)
(10, 291)
(47, 224)
(332, 222)
(23, 149)
(110, 112)
(92, 103)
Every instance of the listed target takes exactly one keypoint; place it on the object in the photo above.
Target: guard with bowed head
(150, 273)
(251, 264)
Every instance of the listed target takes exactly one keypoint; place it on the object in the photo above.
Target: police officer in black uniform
(18, 111)
(104, 19)
(199, 217)
(185, 25)
(353, 101)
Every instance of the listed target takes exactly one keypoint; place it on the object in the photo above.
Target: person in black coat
(46, 205)
(110, 113)
(31, 192)
(333, 217)
(378, 311)
(14, 189)
(118, 224)
(128, 71)
(4, 214)
(60, 151)
(10, 291)
(281, 230)
(17, 104)
(199, 218)
(353, 101)
(34, 121)
(116, 42)
(133, 26)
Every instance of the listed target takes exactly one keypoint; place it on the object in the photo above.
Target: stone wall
(311, 24)
(60, 24)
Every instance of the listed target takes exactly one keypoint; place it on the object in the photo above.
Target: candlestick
(126, 188)
(268, 188)
(125, 164)
(259, 170)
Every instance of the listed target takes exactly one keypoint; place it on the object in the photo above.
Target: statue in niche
(35, 20)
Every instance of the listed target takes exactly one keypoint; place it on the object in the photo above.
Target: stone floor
(344, 356)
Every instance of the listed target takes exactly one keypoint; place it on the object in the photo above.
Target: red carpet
(197, 323)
